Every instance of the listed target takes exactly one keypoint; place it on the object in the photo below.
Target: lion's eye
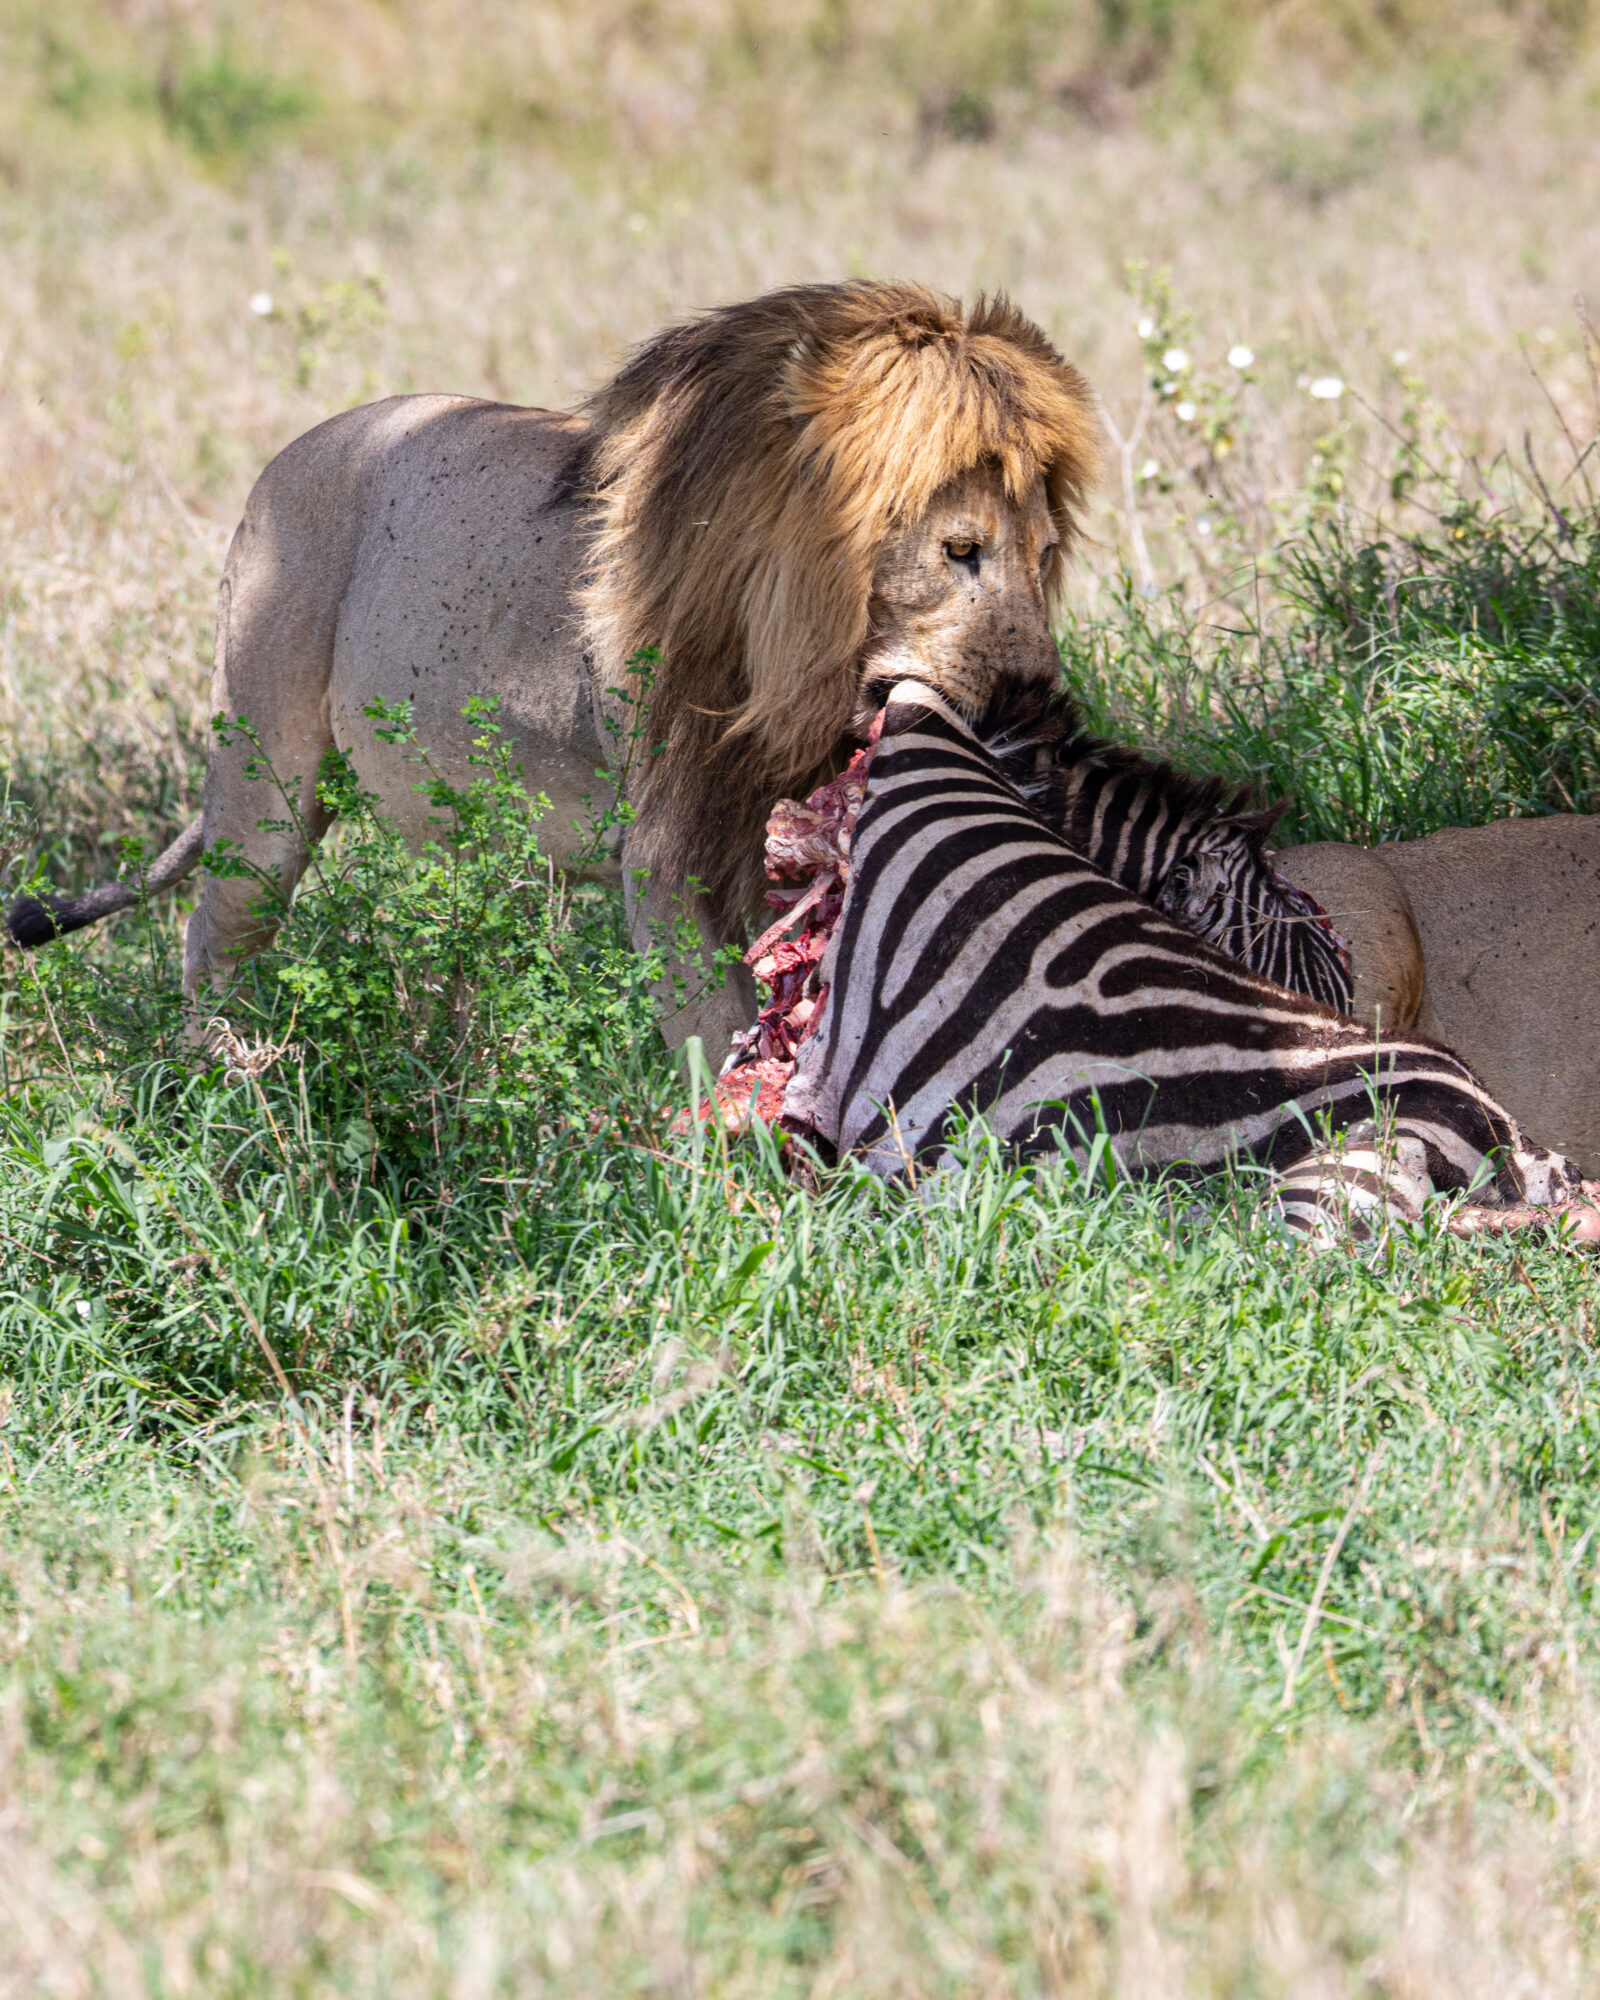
(962, 550)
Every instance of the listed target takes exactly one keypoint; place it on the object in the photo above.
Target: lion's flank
(747, 469)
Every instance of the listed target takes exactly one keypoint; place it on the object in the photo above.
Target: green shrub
(1407, 684)
(220, 106)
(463, 999)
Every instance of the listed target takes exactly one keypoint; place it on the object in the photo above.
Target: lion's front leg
(699, 991)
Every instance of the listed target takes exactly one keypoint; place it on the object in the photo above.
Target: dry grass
(140, 394)
(583, 1767)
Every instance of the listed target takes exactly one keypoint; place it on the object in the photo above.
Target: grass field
(459, 1539)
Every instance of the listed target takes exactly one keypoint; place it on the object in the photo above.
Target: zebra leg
(1356, 1186)
(1369, 1178)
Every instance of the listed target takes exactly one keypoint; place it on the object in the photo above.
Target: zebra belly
(1145, 1108)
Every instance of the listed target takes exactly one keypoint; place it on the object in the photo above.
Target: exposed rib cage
(981, 965)
(1195, 847)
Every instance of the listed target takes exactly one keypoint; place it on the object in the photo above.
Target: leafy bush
(458, 1000)
(457, 1012)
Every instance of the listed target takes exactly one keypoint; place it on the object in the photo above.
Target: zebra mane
(1039, 741)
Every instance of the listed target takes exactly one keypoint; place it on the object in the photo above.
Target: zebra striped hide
(1195, 847)
(982, 966)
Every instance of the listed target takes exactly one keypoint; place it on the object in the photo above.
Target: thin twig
(50, 1016)
(31, 1249)
(690, 1608)
(1396, 433)
(1555, 408)
(1233, 1493)
(1126, 446)
(1591, 351)
(1297, 1604)
(1563, 526)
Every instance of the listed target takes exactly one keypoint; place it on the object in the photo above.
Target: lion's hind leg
(238, 914)
(287, 572)
(240, 908)
(271, 700)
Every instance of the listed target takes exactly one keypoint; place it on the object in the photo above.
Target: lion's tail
(35, 920)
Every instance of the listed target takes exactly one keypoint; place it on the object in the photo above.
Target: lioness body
(1488, 939)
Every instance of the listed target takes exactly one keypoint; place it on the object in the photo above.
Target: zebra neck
(1125, 825)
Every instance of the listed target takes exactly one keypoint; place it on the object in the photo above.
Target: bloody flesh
(808, 851)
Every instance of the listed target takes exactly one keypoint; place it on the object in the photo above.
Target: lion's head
(804, 495)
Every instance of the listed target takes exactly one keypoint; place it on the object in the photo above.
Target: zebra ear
(1256, 826)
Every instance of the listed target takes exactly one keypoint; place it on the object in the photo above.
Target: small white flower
(1175, 359)
(1400, 356)
(1145, 327)
(261, 304)
(1184, 412)
(1327, 388)
(1149, 469)
(85, 1310)
(1240, 356)
(1202, 526)
(1169, 388)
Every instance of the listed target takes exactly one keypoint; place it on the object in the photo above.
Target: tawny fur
(1488, 939)
(747, 469)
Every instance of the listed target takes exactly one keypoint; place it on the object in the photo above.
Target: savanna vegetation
(459, 1535)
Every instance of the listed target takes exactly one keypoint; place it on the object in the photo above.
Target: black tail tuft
(36, 920)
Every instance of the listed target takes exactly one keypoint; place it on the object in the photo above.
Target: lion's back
(419, 549)
(382, 453)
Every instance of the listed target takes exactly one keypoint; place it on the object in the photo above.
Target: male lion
(796, 500)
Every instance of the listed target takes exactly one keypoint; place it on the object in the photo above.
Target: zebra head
(1220, 884)
(1195, 847)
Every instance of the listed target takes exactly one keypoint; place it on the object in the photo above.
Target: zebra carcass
(980, 966)
(1194, 847)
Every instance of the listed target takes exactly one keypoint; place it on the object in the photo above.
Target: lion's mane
(747, 468)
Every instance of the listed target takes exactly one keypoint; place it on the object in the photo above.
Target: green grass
(459, 1537)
